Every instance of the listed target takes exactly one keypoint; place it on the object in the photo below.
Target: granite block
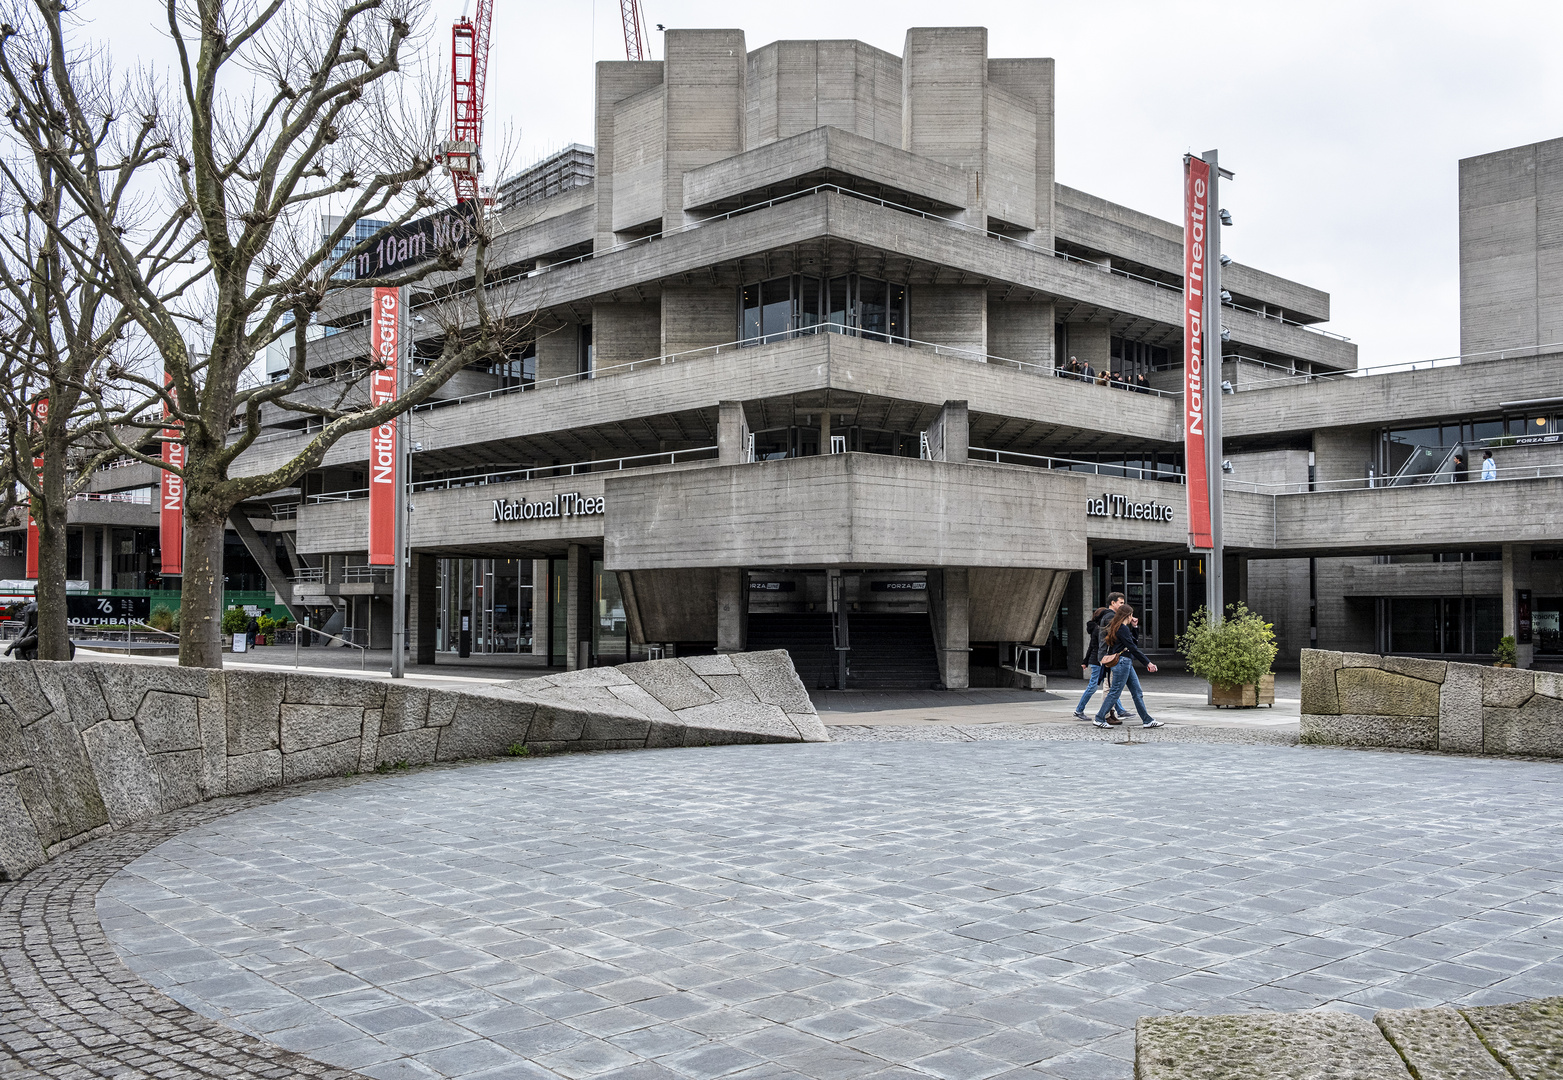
(1507, 688)
(1373, 691)
(1527, 1036)
(414, 747)
(1347, 729)
(1361, 660)
(1438, 1044)
(334, 690)
(19, 687)
(181, 775)
(20, 850)
(169, 722)
(718, 664)
(131, 788)
(483, 724)
(1460, 710)
(308, 726)
(253, 772)
(773, 680)
(1319, 1045)
(1432, 671)
(671, 683)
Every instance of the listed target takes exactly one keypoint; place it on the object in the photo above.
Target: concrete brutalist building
(796, 373)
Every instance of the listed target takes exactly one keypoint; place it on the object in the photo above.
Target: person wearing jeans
(1094, 628)
(1119, 637)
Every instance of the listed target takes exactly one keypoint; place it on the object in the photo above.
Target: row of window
(1422, 452)
(851, 304)
(1463, 625)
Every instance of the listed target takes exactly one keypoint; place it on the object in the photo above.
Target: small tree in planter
(1234, 657)
(235, 619)
(1507, 653)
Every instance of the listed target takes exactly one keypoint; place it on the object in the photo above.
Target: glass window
(749, 327)
(610, 629)
(776, 309)
(1487, 429)
(871, 307)
(1488, 617)
(895, 312)
(840, 309)
(808, 302)
(1414, 625)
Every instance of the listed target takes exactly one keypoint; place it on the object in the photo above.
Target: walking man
(1093, 653)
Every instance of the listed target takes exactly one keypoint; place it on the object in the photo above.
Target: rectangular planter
(1247, 696)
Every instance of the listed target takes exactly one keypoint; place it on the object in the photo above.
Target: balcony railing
(536, 472)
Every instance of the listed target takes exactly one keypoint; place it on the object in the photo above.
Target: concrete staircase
(889, 652)
(807, 639)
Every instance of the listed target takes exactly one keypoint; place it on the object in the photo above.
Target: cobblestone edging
(87, 749)
(1359, 699)
(70, 1008)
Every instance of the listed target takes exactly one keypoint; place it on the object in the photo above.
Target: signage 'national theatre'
(569, 504)
(1121, 506)
(1196, 214)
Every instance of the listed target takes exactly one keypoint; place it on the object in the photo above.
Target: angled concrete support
(732, 609)
(264, 554)
(949, 606)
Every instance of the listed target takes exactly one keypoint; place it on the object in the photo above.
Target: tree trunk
(49, 591)
(201, 593)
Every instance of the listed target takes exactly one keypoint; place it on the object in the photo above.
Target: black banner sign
(416, 242)
(87, 609)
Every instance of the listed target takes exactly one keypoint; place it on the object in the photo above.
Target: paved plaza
(881, 908)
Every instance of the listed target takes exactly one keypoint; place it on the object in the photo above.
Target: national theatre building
(797, 372)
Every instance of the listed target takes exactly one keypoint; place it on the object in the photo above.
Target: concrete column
(949, 605)
(732, 609)
(704, 79)
(1516, 576)
(944, 86)
(949, 436)
(824, 432)
(422, 607)
(732, 433)
(616, 80)
(106, 557)
(1091, 343)
(542, 611)
(573, 623)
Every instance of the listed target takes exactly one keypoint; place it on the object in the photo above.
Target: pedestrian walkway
(984, 909)
(1171, 698)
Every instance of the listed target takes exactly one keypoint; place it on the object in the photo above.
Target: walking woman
(1119, 639)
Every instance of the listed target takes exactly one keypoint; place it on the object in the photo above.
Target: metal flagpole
(1215, 572)
(399, 567)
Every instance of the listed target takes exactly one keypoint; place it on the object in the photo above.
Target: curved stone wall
(87, 748)
(1359, 699)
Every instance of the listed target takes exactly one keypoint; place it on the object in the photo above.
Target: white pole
(1215, 583)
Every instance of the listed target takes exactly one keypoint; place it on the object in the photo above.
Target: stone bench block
(1361, 729)
(1438, 1044)
(1526, 1036)
(1264, 1046)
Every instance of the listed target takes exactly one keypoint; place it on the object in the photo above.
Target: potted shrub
(1506, 654)
(266, 626)
(234, 621)
(1234, 657)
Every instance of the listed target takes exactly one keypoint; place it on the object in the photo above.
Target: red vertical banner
(1196, 189)
(385, 345)
(171, 515)
(40, 415)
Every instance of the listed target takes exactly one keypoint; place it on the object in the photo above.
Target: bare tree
(280, 110)
(60, 330)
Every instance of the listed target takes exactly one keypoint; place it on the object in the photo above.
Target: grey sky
(1343, 121)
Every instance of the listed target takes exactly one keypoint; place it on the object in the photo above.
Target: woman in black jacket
(1119, 638)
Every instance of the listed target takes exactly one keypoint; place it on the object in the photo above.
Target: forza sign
(569, 504)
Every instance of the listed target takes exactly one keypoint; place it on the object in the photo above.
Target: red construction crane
(637, 43)
(462, 154)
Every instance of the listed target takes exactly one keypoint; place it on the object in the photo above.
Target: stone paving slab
(980, 908)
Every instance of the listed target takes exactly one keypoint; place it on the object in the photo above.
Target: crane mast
(637, 44)
(462, 154)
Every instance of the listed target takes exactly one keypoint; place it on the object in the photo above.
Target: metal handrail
(299, 628)
(1380, 483)
(510, 475)
(309, 573)
(1128, 472)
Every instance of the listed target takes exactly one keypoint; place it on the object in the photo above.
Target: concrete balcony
(847, 369)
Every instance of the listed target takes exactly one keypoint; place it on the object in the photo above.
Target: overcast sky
(1344, 122)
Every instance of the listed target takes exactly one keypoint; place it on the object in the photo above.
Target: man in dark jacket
(1092, 662)
(1119, 637)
